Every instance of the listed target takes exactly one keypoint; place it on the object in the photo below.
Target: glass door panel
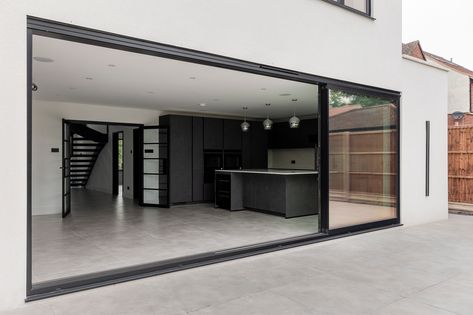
(155, 171)
(363, 164)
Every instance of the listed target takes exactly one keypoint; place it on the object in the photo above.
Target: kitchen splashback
(302, 159)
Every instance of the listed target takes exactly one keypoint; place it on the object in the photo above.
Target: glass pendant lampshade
(294, 122)
(245, 126)
(267, 124)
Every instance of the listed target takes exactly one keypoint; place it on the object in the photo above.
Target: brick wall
(417, 52)
(467, 120)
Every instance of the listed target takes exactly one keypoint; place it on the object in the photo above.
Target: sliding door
(363, 159)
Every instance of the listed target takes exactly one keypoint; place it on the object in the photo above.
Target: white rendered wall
(307, 35)
(425, 97)
(47, 134)
(458, 92)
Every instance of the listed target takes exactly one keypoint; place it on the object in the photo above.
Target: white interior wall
(282, 158)
(47, 134)
(290, 39)
(425, 97)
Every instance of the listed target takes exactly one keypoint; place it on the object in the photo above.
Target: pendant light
(268, 123)
(245, 126)
(294, 121)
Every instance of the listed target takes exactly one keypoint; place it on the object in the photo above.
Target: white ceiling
(89, 74)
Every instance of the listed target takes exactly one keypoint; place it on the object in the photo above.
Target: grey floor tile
(327, 294)
(451, 295)
(104, 233)
(257, 304)
(410, 307)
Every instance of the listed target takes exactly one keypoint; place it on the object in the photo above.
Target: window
(359, 5)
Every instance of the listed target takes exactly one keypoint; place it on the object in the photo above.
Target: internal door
(155, 170)
(66, 168)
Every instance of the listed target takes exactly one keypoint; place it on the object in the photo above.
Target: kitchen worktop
(269, 172)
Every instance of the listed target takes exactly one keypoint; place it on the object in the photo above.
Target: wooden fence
(363, 166)
(460, 164)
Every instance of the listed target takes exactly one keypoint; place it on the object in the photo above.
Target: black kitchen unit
(201, 145)
(283, 137)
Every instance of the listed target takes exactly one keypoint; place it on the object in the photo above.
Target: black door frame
(48, 28)
(115, 177)
(66, 168)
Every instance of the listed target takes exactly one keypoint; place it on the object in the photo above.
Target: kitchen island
(290, 193)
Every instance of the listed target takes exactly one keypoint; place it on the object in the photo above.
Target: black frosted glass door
(66, 169)
(155, 170)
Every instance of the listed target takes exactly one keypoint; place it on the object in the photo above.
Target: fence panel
(460, 164)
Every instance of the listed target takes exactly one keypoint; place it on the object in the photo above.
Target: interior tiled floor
(417, 270)
(105, 232)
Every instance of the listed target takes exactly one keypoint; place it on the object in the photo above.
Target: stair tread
(87, 150)
(86, 146)
(89, 144)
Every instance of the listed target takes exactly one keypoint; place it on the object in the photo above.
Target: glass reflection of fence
(363, 166)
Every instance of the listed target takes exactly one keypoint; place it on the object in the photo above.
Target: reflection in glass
(362, 159)
(360, 5)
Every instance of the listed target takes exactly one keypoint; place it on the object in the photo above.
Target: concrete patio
(417, 270)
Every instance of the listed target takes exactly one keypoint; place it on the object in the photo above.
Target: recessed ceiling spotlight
(34, 87)
(285, 94)
(294, 99)
(111, 65)
(192, 78)
(89, 78)
(202, 104)
(43, 59)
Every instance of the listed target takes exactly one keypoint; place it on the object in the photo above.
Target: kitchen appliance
(213, 160)
(232, 160)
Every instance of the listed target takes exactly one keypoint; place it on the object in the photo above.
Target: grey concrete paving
(417, 270)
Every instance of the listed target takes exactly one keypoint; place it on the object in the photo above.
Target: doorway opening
(224, 125)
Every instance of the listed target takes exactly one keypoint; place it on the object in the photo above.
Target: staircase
(87, 144)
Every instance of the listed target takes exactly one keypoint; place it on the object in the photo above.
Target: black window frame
(341, 3)
(59, 30)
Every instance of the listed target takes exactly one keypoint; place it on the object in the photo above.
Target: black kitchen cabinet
(258, 146)
(213, 133)
(197, 159)
(255, 146)
(283, 137)
(231, 134)
(180, 157)
(246, 149)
